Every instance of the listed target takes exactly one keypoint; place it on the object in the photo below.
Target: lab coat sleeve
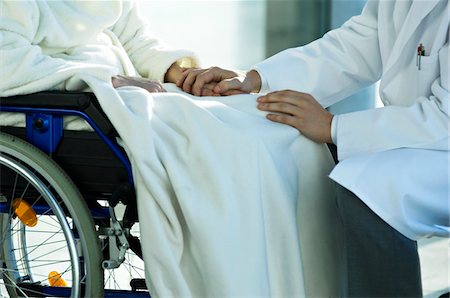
(24, 67)
(423, 125)
(149, 55)
(333, 67)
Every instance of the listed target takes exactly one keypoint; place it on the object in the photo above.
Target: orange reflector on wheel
(24, 212)
(55, 280)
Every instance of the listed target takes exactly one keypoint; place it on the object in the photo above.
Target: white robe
(395, 158)
(230, 204)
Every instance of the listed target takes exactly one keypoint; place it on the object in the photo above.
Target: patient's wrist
(173, 74)
(254, 81)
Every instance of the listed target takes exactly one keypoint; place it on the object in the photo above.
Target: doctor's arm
(333, 67)
(422, 125)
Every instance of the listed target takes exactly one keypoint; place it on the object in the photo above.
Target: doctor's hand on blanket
(299, 110)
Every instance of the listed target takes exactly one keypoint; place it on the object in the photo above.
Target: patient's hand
(151, 86)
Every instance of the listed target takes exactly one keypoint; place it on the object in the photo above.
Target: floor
(435, 266)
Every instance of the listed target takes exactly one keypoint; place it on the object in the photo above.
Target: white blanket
(229, 203)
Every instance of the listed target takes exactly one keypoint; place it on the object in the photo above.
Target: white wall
(230, 34)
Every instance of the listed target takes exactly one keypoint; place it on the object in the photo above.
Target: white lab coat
(395, 158)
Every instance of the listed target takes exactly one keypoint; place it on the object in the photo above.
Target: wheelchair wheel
(48, 242)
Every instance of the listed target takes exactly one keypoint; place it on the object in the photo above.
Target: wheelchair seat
(79, 101)
(82, 154)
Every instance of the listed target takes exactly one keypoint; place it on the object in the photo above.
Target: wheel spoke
(46, 240)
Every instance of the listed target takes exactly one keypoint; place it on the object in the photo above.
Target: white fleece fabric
(230, 204)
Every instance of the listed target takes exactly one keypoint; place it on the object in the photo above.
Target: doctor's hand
(299, 110)
(151, 86)
(218, 81)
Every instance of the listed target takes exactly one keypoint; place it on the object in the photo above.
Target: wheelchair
(62, 231)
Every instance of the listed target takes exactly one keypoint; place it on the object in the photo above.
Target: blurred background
(239, 33)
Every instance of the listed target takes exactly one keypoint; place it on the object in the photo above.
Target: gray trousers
(378, 261)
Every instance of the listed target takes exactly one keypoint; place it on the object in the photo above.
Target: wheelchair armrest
(82, 101)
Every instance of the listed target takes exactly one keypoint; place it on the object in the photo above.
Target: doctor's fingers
(194, 79)
(233, 92)
(287, 96)
(289, 102)
(285, 119)
(208, 90)
(280, 107)
(231, 86)
(213, 74)
(188, 78)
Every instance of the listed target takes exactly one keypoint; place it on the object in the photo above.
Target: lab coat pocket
(428, 72)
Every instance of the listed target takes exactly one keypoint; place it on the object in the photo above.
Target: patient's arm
(151, 86)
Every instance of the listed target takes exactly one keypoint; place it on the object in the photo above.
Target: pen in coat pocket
(420, 53)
